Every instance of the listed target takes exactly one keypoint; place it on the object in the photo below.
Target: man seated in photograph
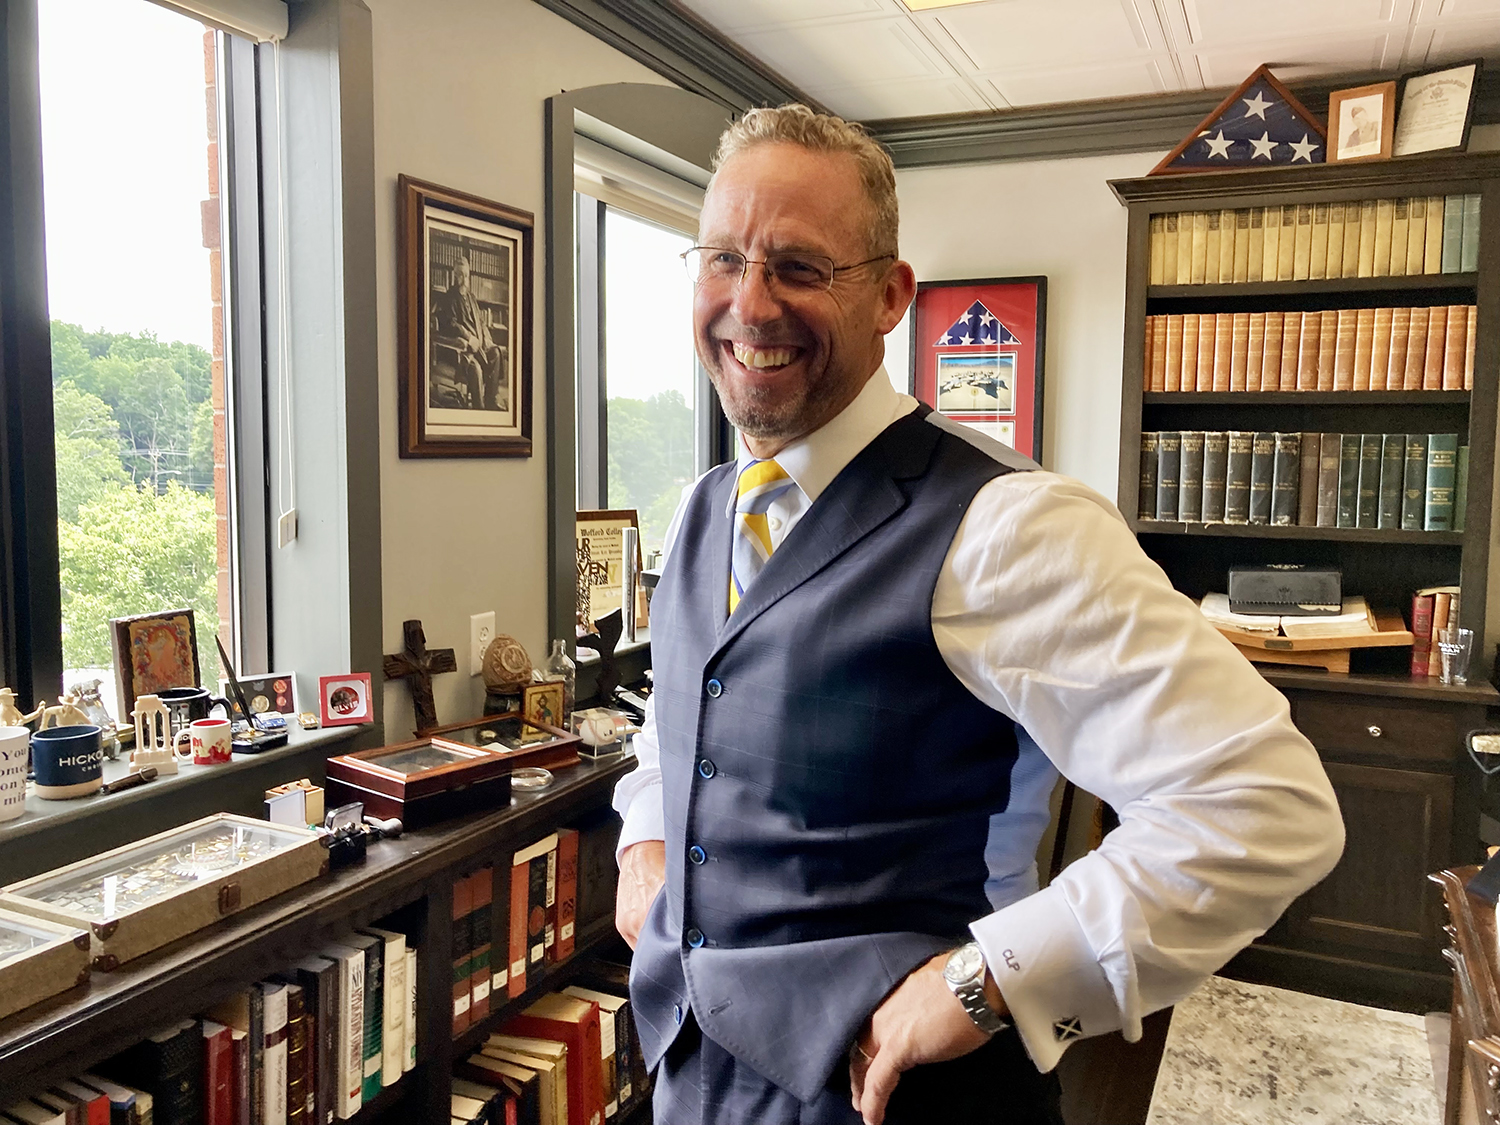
(877, 639)
(465, 325)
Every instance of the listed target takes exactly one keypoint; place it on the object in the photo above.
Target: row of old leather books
(309, 1047)
(1310, 241)
(1412, 482)
(1371, 349)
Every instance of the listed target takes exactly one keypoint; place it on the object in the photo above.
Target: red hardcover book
(462, 946)
(510, 1111)
(576, 1023)
(482, 896)
(95, 1104)
(1470, 337)
(1421, 631)
(567, 891)
(520, 878)
(218, 1074)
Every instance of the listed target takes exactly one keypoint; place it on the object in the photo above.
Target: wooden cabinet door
(1397, 824)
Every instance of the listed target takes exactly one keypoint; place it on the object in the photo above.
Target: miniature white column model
(153, 736)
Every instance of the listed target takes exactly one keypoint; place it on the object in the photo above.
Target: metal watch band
(970, 994)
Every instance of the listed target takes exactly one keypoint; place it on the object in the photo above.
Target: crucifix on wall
(417, 665)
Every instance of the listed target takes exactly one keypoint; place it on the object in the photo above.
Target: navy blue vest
(827, 781)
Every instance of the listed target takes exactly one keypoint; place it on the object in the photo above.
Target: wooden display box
(524, 742)
(38, 959)
(141, 896)
(1331, 653)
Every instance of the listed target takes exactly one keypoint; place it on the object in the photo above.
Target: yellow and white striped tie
(760, 483)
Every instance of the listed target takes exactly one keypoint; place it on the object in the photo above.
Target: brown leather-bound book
(1341, 378)
(1148, 341)
(1191, 324)
(1395, 375)
(1380, 349)
(1416, 350)
(1437, 336)
(1239, 350)
(1454, 335)
(1307, 353)
(1307, 480)
(1353, 212)
(1291, 350)
(1330, 453)
(1223, 350)
(1471, 334)
(1255, 349)
(1172, 369)
(1207, 324)
(1364, 344)
(1328, 338)
(1158, 369)
(1400, 220)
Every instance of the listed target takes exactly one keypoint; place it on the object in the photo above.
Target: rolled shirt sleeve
(1050, 612)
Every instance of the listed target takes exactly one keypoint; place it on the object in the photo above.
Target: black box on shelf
(1286, 589)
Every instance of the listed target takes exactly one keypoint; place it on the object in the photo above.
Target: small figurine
(10, 714)
(153, 735)
(85, 696)
(63, 714)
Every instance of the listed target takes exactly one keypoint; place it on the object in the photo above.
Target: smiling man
(877, 638)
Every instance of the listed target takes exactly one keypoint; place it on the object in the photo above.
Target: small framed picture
(273, 691)
(543, 704)
(1437, 108)
(1362, 122)
(601, 554)
(153, 652)
(345, 700)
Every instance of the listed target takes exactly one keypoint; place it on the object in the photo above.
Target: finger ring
(860, 1051)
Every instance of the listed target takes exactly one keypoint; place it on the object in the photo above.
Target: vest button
(677, 1012)
(695, 938)
(715, 689)
(706, 769)
(697, 854)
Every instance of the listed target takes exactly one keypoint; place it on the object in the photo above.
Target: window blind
(622, 181)
(263, 21)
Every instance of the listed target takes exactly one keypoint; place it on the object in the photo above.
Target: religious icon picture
(153, 652)
(465, 324)
(1362, 122)
(977, 350)
(543, 704)
(345, 700)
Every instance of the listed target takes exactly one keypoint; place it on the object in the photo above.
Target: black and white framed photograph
(1361, 122)
(1437, 109)
(465, 279)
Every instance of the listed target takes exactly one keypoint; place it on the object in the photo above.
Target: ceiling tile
(1118, 80)
(1042, 33)
(847, 54)
(1454, 41)
(737, 15)
(1458, 9)
(1295, 61)
(1223, 22)
(872, 101)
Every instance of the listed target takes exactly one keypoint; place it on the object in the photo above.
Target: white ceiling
(873, 59)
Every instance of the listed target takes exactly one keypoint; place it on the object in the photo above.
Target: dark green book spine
(1237, 478)
(1262, 476)
(1215, 475)
(1168, 464)
(1329, 446)
(1370, 446)
(1146, 499)
(1285, 478)
(1461, 489)
(1307, 480)
(1392, 476)
(1442, 475)
(1349, 448)
(1190, 476)
(374, 1013)
(1469, 245)
(1414, 489)
(1453, 233)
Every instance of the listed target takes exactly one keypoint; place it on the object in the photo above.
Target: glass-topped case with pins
(139, 897)
(524, 742)
(38, 959)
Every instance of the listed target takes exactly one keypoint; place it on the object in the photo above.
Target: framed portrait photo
(345, 700)
(1361, 123)
(153, 652)
(976, 355)
(464, 280)
(1437, 109)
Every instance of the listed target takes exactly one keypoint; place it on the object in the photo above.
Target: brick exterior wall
(212, 243)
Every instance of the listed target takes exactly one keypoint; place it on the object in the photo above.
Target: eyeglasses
(791, 270)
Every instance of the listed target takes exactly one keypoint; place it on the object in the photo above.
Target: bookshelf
(405, 883)
(1391, 743)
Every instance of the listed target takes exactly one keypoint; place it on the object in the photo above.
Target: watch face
(965, 964)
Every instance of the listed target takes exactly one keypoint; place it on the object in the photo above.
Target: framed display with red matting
(976, 355)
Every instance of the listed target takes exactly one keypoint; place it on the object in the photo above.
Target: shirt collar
(813, 461)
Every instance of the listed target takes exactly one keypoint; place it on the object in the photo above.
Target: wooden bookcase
(1392, 745)
(407, 883)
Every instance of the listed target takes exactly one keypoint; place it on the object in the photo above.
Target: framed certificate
(1436, 109)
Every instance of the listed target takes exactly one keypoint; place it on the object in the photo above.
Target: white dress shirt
(1048, 610)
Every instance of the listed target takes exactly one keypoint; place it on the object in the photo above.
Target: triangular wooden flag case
(1261, 123)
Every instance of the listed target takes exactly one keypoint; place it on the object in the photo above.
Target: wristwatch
(964, 975)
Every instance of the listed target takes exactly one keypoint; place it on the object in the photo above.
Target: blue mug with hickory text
(67, 761)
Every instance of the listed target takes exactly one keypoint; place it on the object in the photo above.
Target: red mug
(209, 741)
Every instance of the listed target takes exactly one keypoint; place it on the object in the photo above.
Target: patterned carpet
(1247, 1054)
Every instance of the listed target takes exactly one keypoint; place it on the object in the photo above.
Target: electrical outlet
(286, 528)
(481, 633)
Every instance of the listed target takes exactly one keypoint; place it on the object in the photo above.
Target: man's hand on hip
(920, 1022)
(643, 870)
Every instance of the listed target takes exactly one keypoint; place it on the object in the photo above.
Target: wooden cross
(417, 665)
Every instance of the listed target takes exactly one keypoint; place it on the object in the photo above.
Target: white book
(351, 1016)
(1215, 607)
(410, 1060)
(394, 1005)
(273, 1056)
(33, 1114)
(1353, 620)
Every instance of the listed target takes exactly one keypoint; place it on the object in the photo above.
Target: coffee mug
(13, 747)
(208, 740)
(67, 761)
(188, 704)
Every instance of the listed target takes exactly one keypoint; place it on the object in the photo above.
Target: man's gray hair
(821, 132)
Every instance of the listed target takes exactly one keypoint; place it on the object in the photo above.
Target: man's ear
(896, 296)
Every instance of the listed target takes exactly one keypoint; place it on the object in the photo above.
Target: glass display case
(38, 959)
(524, 742)
(422, 782)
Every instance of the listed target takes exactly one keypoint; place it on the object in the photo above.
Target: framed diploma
(1436, 109)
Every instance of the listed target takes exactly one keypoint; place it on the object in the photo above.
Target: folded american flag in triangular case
(1261, 123)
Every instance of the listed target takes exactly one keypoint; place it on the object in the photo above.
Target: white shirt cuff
(645, 819)
(1048, 973)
